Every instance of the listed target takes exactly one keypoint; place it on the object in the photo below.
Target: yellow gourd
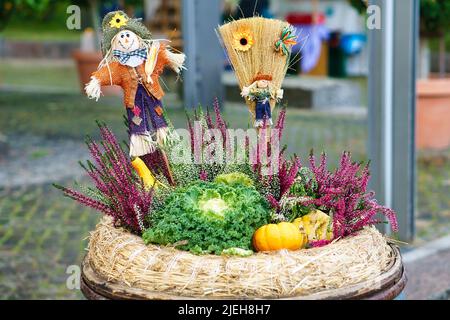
(284, 235)
(315, 225)
(144, 172)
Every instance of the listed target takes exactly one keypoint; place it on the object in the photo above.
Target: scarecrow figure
(262, 93)
(133, 61)
(259, 51)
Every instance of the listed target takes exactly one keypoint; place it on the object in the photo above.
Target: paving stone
(429, 276)
(39, 239)
(36, 160)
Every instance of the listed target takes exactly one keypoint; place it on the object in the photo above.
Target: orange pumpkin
(284, 235)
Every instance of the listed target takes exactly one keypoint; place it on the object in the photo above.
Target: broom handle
(167, 164)
(163, 153)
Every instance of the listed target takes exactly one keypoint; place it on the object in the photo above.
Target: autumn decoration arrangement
(218, 208)
(208, 205)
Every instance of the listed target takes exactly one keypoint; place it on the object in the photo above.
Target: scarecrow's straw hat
(116, 21)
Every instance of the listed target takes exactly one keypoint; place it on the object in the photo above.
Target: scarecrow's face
(126, 41)
(262, 84)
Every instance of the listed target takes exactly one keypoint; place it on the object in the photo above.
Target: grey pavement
(428, 271)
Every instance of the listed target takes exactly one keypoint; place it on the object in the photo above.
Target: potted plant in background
(88, 56)
(6, 11)
(38, 9)
(433, 93)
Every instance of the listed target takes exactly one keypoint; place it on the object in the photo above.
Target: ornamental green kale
(208, 217)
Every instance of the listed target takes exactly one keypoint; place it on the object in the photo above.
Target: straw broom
(250, 45)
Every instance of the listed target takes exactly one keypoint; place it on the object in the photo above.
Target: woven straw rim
(122, 257)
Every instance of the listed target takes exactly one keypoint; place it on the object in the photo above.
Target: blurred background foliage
(434, 17)
(47, 18)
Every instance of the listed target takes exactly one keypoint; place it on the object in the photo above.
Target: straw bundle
(119, 256)
(257, 53)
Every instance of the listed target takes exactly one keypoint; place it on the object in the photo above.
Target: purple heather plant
(287, 168)
(343, 193)
(319, 243)
(203, 175)
(273, 185)
(206, 168)
(119, 192)
(208, 123)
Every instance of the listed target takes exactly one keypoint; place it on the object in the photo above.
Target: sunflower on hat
(118, 20)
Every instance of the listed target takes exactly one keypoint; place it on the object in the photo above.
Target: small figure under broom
(134, 61)
(262, 93)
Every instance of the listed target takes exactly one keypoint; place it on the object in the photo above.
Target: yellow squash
(144, 172)
(284, 235)
(315, 225)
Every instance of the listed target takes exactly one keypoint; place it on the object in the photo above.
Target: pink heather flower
(280, 123)
(344, 194)
(209, 120)
(273, 202)
(319, 243)
(220, 124)
(287, 173)
(287, 169)
(203, 175)
(120, 189)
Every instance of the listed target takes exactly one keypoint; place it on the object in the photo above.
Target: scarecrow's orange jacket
(125, 77)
